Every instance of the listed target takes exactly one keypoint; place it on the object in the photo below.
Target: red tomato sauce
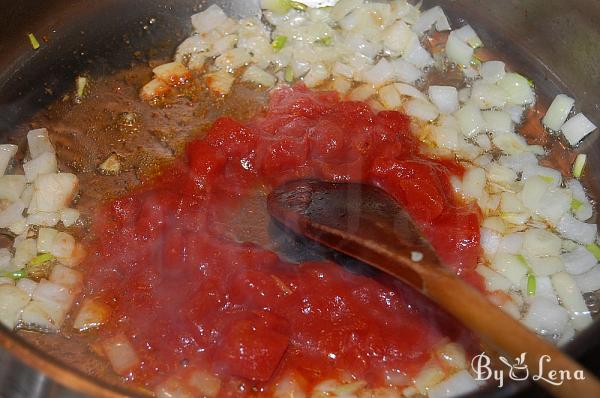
(186, 295)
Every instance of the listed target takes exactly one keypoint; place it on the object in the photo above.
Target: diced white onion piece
(543, 288)
(172, 73)
(397, 37)
(510, 143)
(11, 187)
(341, 85)
(518, 89)
(342, 69)
(493, 71)
(452, 355)
(469, 36)
(46, 316)
(362, 93)
(545, 266)
(470, 120)
(445, 98)
(487, 95)
(50, 292)
(572, 300)
(25, 250)
(428, 18)
(92, 314)
(63, 245)
(534, 190)
(545, 317)
(493, 280)
(571, 228)
(258, 76)
(589, 281)
(43, 164)
(69, 216)
(316, 76)
(343, 8)
(44, 219)
(7, 151)
(53, 192)
(458, 51)
(38, 142)
(585, 209)
(193, 44)
(173, 388)
(410, 91)
(445, 137)
(153, 89)
(428, 377)
(558, 112)
(498, 122)
(511, 243)
(552, 176)
(209, 19)
(27, 285)
(233, 59)
(519, 162)
(577, 128)
(67, 277)
(4, 280)
(556, 203)
(473, 185)
(380, 74)
(12, 301)
(209, 385)
(578, 261)
(389, 97)
(417, 55)
(5, 258)
(458, 384)
(405, 72)
(12, 214)
(421, 109)
(223, 45)
(541, 242)
(510, 267)
(120, 353)
(220, 81)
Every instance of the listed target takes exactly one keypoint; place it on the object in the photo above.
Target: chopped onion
(577, 128)
(63, 245)
(27, 285)
(493, 71)
(558, 112)
(121, 354)
(498, 122)
(416, 54)
(469, 36)
(39, 142)
(153, 89)
(458, 51)
(11, 187)
(518, 89)
(578, 261)
(43, 164)
(397, 38)
(380, 74)
(69, 216)
(362, 93)
(53, 293)
(12, 301)
(579, 165)
(409, 91)
(172, 73)
(493, 280)
(258, 76)
(470, 120)
(474, 181)
(421, 109)
(540, 242)
(487, 95)
(316, 76)
(209, 19)
(389, 97)
(53, 192)
(445, 98)
(12, 214)
(545, 317)
(510, 267)
(91, 315)
(458, 384)
(344, 7)
(25, 250)
(584, 210)
(7, 151)
(67, 277)
(571, 228)
(219, 82)
(589, 281)
(572, 300)
(428, 18)
(207, 384)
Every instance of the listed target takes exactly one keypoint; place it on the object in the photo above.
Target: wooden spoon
(364, 222)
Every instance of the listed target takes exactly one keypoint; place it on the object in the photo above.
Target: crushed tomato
(186, 295)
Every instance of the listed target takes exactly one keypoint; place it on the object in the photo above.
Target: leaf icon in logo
(520, 360)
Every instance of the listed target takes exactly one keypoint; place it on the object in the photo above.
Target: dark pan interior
(556, 43)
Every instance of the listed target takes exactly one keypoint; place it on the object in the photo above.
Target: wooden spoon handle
(509, 336)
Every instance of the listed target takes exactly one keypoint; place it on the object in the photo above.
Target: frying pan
(554, 42)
